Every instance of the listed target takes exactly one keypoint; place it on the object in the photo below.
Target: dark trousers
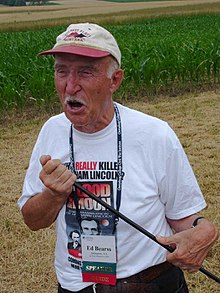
(171, 281)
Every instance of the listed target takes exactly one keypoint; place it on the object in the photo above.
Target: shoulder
(142, 123)
(59, 120)
(55, 124)
(148, 131)
(54, 130)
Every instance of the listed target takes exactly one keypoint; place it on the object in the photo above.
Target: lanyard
(120, 173)
(119, 158)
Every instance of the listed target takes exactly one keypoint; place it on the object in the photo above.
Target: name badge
(99, 259)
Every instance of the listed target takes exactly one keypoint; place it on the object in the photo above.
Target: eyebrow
(57, 65)
(93, 67)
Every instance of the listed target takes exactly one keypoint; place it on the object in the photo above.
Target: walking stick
(139, 228)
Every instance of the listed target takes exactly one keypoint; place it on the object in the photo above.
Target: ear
(116, 79)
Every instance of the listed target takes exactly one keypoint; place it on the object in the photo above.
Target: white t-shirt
(158, 182)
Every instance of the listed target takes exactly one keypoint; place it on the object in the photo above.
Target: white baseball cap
(86, 39)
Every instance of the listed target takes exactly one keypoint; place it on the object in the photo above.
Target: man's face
(85, 90)
(89, 227)
(75, 237)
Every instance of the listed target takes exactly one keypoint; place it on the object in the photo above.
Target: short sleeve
(179, 189)
(32, 184)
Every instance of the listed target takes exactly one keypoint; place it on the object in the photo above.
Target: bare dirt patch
(27, 257)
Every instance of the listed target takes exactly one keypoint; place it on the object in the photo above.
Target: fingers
(188, 269)
(166, 241)
(191, 268)
(163, 240)
(56, 177)
(183, 256)
(48, 164)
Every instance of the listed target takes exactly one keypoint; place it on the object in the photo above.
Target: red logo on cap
(75, 35)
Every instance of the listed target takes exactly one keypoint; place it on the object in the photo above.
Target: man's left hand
(191, 245)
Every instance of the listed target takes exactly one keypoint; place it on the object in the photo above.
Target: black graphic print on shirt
(93, 218)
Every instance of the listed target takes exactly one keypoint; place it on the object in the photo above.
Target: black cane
(136, 226)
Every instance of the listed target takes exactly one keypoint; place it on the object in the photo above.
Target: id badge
(99, 259)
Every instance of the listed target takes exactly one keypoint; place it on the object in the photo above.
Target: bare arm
(191, 244)
(41, 210)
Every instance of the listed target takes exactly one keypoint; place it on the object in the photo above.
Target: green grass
(171, 55)
(168, 55)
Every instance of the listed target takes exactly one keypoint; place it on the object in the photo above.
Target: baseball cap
(86, 39)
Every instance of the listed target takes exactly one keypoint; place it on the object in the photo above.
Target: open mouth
(73, 103)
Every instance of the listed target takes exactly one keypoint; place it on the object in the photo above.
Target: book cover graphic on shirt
(92, 219)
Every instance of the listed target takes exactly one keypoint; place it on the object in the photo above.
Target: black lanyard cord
(119, 158)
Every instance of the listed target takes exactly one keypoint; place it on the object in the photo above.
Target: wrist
(201, 224)
(55, 196)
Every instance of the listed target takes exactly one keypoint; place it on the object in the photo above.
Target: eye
(85, 73)
(61, 72)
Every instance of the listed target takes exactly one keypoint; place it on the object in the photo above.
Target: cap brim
(83, 51)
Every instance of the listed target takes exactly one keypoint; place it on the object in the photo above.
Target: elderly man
(130, 160)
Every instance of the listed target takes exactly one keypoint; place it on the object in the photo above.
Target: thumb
(44, 159)
(166, 240)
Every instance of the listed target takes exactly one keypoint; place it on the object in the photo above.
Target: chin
(76, 122)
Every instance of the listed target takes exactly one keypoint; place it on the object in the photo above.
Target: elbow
(212, 230)
(33, 222)
(32, 226)
(216, 233)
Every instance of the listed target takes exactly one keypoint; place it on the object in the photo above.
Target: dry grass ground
(26, 258)
(15, 18)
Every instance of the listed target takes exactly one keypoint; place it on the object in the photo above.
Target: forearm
(41, 210)
(203, 224)
(183, 224)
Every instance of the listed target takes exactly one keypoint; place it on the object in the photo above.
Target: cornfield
(167, 55)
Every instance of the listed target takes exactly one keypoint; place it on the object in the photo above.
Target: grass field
(166, 55)
(26, 258)
(32, 17)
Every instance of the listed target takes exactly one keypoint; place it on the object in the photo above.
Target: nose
(73, 84)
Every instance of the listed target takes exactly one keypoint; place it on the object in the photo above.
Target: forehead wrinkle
(93, 66)
(78, 58)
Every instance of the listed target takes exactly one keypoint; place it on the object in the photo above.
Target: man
(74, 247)
(75, 243)
(90, 227)
(130, 160)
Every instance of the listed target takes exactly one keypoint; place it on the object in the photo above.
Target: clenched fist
(56, 177)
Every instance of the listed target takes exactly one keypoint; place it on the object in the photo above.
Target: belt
(145, 276)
